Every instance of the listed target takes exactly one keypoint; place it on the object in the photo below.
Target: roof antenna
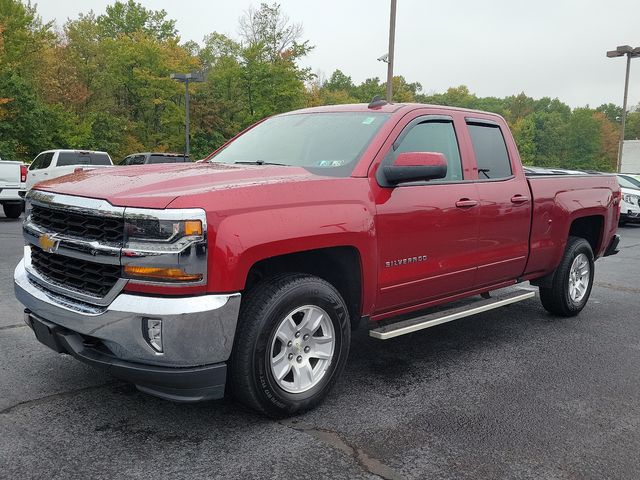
(377, 102)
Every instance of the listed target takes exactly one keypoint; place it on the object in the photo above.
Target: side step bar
(432, 319)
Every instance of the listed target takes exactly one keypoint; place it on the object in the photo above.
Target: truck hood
(156, 186)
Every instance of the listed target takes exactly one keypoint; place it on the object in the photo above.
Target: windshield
(325, 143)
(628, 182)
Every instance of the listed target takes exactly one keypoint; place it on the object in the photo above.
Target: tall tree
(270, 27)
(131, 17)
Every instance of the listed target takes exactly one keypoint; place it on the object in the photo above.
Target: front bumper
(630, 216)
(197, 335)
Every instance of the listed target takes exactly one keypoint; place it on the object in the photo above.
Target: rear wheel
(12, 210)
(572, 281)
(291, 344)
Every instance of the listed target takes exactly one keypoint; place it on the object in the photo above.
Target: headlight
(167, 246)
(632, 199)
(156, 230)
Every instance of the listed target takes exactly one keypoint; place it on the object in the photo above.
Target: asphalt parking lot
(513, 393)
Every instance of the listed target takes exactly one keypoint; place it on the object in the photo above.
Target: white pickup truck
(56, 163)
(12, 184)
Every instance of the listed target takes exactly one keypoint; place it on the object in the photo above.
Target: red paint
(419, 245)
(422, 159)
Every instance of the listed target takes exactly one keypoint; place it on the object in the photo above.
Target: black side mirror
(416, 166)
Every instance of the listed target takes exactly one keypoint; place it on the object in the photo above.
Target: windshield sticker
(368, 120)
(330, 163)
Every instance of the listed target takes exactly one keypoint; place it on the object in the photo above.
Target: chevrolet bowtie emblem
(48, 243)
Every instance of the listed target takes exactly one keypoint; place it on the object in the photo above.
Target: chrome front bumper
(196, 330)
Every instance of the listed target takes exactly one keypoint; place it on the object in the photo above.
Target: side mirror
(416, 166)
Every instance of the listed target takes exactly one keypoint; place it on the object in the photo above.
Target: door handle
(466, 203)
(519, 199)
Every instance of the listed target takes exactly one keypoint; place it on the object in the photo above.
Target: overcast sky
(553, 48)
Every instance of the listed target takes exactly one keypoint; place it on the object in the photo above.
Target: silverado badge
(48, 243)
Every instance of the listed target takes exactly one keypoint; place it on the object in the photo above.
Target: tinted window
(41, 161)
(434, 137)
(136, 160)
(100, 159)
(73, 158)
(491, 151)
(37, 162)
(166, 159)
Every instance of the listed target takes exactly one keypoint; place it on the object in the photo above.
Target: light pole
(186, 78)
(392, 42)
(630, 53)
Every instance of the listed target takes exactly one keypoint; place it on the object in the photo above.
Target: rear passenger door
(505, 204)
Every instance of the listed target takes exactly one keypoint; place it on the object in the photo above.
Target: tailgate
(9, 174)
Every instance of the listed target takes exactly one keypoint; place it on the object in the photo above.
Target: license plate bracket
(46, 333)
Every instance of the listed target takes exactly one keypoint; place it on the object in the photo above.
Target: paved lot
(512, 393)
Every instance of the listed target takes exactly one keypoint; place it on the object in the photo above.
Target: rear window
(491, 151)
(167, 159)
(82, 158)
(100, 159)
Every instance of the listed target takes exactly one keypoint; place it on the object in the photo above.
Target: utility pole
(630, 53)
(186, 78)
(392, 41)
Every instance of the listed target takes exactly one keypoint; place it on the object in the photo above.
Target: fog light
(152, 329)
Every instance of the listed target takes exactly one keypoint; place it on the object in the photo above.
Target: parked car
(630, 203)
(12, 187)
(147, 158)
(56, 163)
(252, 269)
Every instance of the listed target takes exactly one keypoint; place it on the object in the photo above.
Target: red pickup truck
(251, 269)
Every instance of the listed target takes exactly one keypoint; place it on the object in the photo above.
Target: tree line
(101, 81)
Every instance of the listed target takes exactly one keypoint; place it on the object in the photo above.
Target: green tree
(131, 17)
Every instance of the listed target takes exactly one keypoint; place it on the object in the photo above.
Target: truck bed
(557, 196)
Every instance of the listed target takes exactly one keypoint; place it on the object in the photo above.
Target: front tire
(291, 344)
(12, 210)
(572, 280)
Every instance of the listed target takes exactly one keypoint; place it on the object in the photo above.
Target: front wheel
(572, 281)
(291, 344)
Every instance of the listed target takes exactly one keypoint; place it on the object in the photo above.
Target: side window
(136, 160)
(491, 151)
(46, 160)
(434, 136)
(37, 162)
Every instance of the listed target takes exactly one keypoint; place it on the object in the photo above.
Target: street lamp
(630, 53)
(186, 78)
(392, 41)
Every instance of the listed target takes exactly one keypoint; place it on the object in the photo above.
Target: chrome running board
(432, 319)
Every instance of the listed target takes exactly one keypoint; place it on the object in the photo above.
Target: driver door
(427, 231)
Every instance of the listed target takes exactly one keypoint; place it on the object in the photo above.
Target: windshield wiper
(261, 162)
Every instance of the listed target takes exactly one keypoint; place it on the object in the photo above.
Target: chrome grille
(88, 227)
(90, 278)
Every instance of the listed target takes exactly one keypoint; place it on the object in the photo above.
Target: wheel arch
(341, 266)
(591, 228)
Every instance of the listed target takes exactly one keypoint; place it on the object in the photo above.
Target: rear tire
(572, 280)
(12, 210)
(291, 344)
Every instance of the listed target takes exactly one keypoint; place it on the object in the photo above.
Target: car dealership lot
(509, 393)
